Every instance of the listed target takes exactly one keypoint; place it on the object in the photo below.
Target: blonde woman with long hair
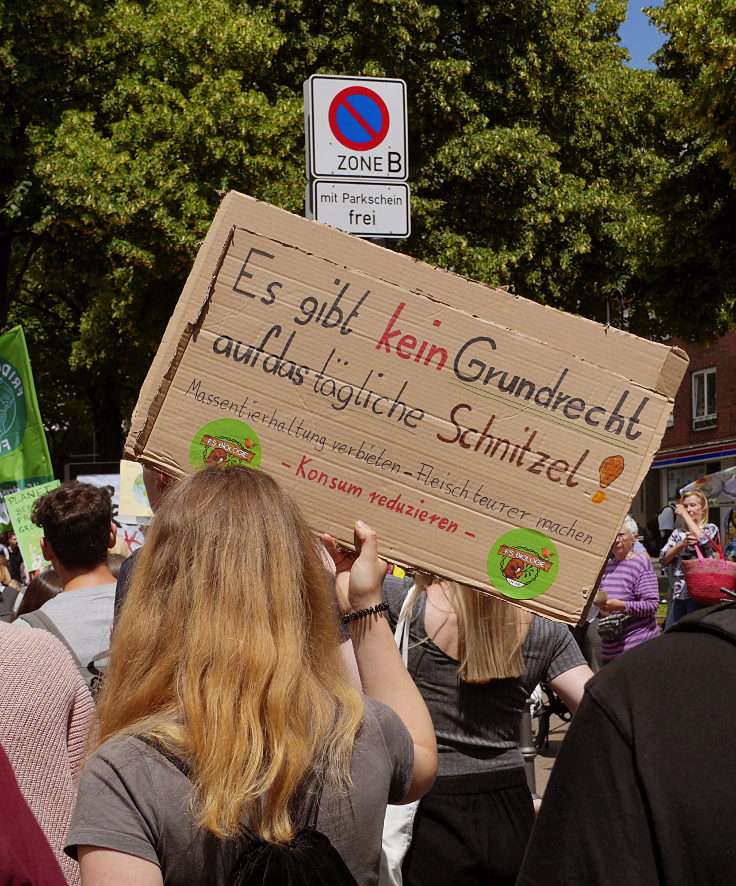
(694, 529)
(226, 657)
(476, 659)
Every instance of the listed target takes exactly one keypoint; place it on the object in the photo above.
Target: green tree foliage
(691, 265)
(41, 57)
(523, 136)
(157, 109)
(700, 54)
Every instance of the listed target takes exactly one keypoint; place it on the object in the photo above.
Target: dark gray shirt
(477, 725)
(134, 800)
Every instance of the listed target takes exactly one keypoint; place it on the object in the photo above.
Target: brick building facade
(702, 436)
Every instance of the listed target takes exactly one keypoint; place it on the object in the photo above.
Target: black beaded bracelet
(361, 613)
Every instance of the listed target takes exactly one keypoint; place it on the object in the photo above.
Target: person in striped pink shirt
(631, 585)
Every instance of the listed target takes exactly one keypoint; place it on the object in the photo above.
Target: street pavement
(545, 759)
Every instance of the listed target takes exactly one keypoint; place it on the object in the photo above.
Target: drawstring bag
(309, 859)
(709, 580)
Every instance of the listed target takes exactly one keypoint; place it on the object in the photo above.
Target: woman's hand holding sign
(359, 579)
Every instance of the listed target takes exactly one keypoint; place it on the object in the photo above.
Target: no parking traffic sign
(359, 118)
(356, 127)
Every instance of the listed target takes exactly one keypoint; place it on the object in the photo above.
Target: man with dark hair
(76, 519)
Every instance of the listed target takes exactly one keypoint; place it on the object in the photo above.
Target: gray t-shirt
(84, 617)
(478, 725)
(134, 800)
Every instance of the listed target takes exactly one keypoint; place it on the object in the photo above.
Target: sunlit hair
(226, 651)
(40, 590)
(114, 562)
(630, 525)
(490, 631)
(696, 493)
(5, 577)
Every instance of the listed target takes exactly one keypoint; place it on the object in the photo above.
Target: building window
(704, 399)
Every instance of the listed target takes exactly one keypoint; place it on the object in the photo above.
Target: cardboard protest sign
(20, 504)
(487, 438)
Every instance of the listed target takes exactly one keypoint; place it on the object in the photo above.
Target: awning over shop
(689, 454)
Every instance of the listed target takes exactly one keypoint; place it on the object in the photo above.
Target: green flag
(24, 453)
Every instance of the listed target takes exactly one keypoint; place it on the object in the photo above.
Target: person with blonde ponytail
(476, 659)
(225, 658)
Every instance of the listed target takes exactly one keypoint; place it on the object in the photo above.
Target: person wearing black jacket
(16, 565)
(616, 810)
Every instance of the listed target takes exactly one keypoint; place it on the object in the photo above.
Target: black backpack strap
(165, 752)
(96, 672)
(95, 667)
(90, 673)
(39, 619)
(719, 620)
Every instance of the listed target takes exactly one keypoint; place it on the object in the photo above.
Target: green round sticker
(227, 441)
(12, 408)
(522, 564)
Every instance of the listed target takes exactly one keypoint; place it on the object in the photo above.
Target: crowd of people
(234, 702)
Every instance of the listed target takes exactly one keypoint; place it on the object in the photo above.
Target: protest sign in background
(20, 504)
(127, 529)
(134, 506)
(719, 488)
(24, 454)
(488, 439)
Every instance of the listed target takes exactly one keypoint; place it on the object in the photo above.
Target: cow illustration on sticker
(522, 563)
(225, 441)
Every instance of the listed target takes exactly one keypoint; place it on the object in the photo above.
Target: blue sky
(639, 35)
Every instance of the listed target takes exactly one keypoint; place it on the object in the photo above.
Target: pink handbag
(709, 579)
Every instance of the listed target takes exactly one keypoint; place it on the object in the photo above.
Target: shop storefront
(671, 470)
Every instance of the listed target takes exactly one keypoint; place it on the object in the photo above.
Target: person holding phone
(694, 529)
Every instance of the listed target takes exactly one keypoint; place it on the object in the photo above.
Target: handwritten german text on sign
(500, 454)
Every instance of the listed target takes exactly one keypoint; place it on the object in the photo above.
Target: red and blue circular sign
(359, 118)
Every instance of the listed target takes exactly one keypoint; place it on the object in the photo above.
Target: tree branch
(33, 246)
